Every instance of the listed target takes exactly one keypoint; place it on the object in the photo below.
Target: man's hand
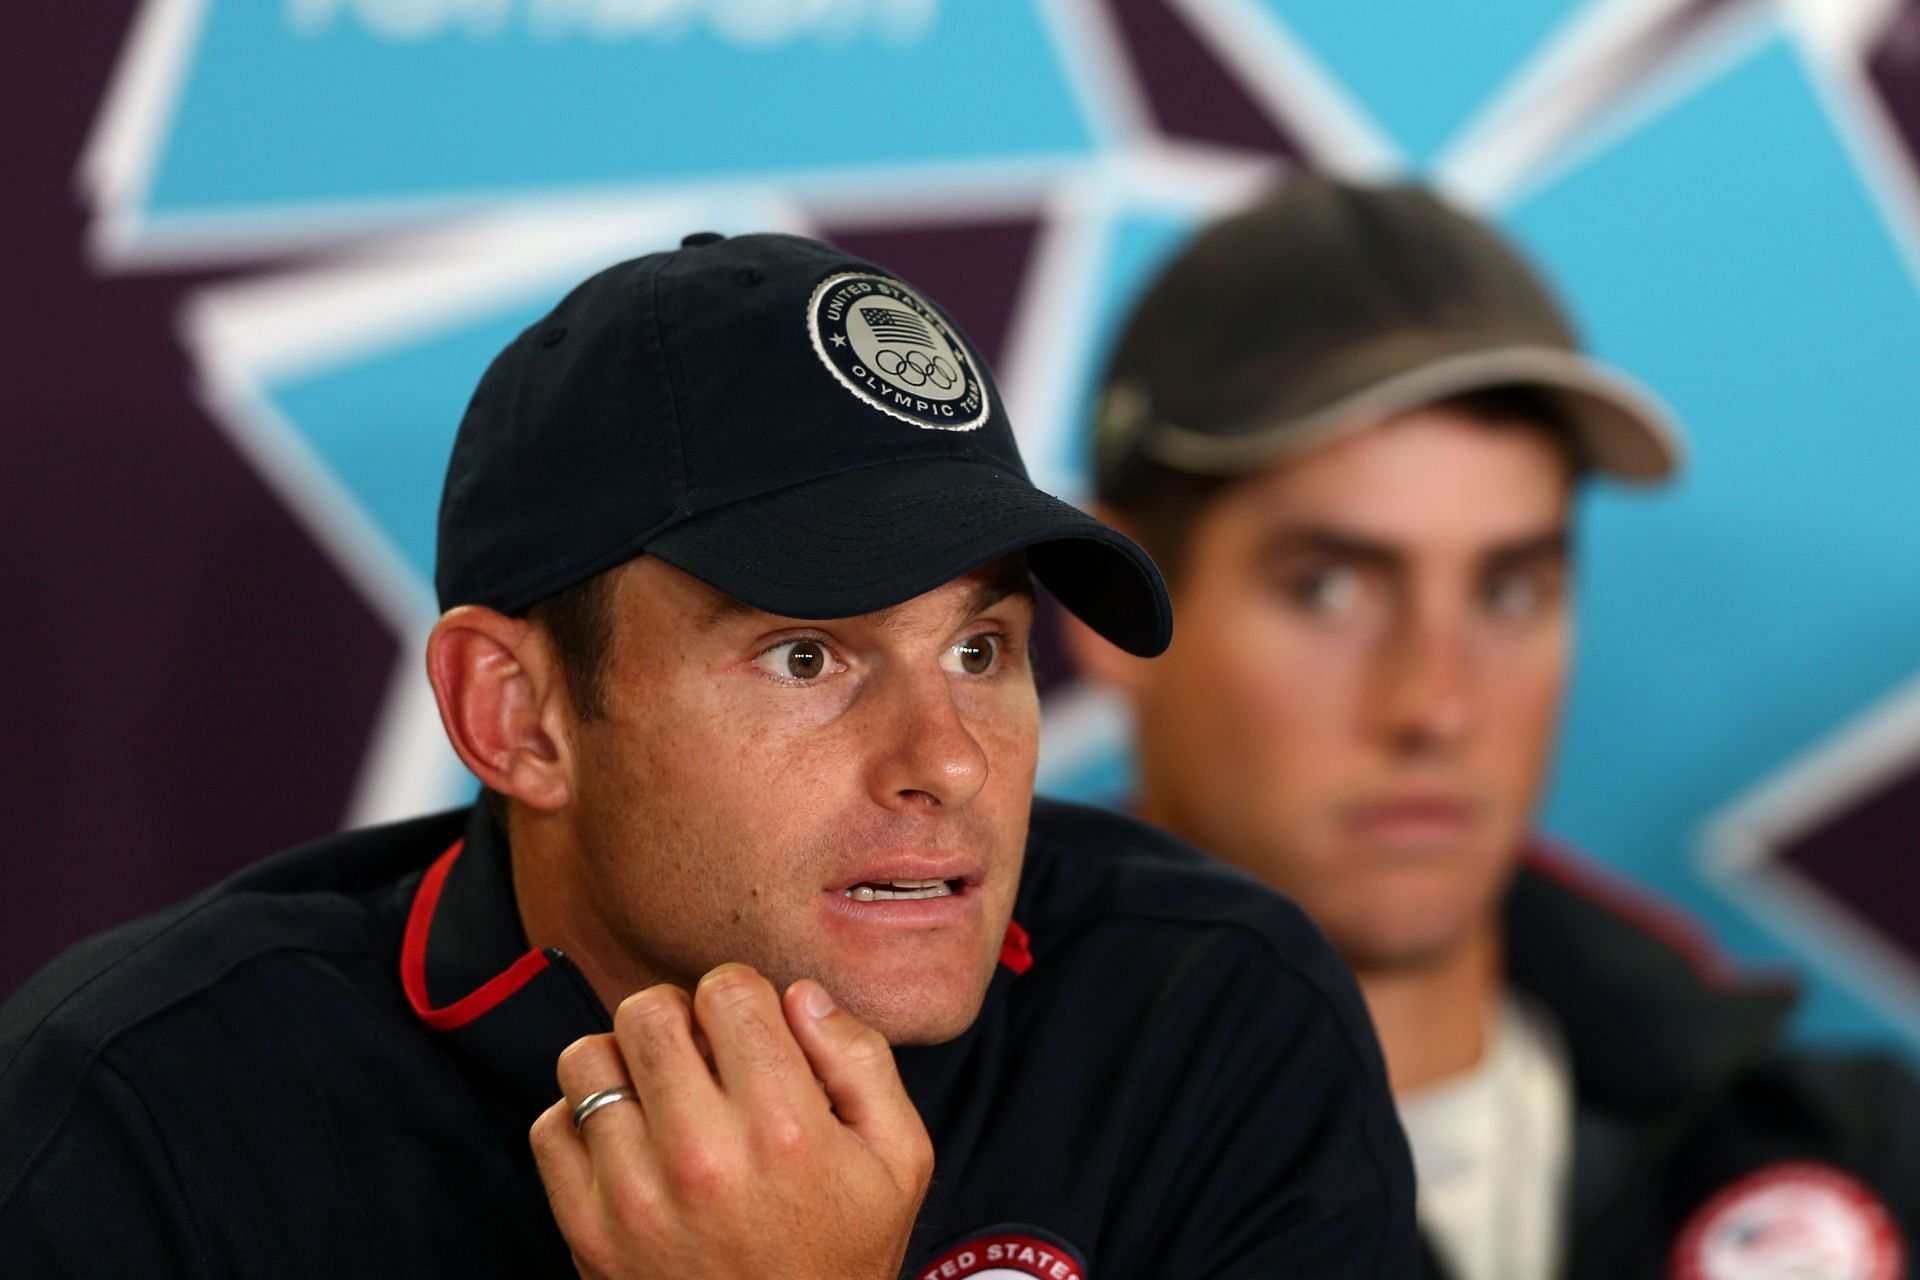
(746, 1167)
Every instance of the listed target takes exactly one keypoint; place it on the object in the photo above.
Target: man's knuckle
(698, 1172)
(732, 985)
(572, 1056)
(634, 1003)
(782, 1135)
(648, 1016)
(542, 1134)
(583, 1057)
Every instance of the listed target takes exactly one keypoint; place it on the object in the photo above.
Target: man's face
(844, 800)
(1361, 697)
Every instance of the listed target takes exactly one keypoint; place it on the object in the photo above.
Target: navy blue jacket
(327, 1066)
(1688, 1098)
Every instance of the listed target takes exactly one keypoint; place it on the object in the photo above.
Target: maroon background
(192, 681)
(147, 752)
(164, 734)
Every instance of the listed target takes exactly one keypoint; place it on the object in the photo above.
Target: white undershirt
(1491, 1151)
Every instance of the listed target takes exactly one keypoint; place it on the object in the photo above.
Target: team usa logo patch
(1011, 1252)
(1791, 1221)
(895, 352)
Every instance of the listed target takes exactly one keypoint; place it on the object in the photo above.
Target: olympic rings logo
(916, 369)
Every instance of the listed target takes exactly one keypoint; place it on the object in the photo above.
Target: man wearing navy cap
(734, 555)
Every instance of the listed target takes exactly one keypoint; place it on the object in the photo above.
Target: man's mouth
(1416, 818)
(900, 890)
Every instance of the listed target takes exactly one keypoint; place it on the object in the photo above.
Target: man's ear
(1091, 655)
(503, 701)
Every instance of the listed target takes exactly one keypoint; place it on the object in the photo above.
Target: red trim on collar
(1659, 920)
(1014, 952)
(413, 958)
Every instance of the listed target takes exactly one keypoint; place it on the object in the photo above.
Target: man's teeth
(893, 890)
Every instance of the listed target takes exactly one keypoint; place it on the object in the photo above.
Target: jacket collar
(1652, 1013)
(469, 974)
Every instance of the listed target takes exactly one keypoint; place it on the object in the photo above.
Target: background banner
(261, 249)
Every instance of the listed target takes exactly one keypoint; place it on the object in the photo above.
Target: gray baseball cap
(1327, 307)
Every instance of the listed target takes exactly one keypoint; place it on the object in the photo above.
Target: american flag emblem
(1795, 1218)
(900, 328)
(895, 353)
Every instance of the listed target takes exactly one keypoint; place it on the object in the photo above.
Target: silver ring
(594, 1101)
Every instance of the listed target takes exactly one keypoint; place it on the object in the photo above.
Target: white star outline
(426, 273)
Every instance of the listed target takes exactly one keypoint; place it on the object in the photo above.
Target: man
(1349, 423)
(733, 553)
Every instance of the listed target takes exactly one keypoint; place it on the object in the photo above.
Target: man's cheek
(1009, 737)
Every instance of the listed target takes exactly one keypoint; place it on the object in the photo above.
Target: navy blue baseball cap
(795, 427)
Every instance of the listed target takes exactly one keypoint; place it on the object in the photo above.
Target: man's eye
(975, 655)
(1515, 595)
(798, 659)
(1328, 592)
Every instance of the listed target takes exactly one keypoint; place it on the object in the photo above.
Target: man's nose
(1426, 683)
(926, 755)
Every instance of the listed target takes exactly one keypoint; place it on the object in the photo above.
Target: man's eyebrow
(723, 609)
(1337, 543)
(1001, 583)
(982, 596)
(1555, 545)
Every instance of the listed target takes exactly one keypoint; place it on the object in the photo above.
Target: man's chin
(1372, 955)
(1400, 917)
(1389, 942)
(906, 1013)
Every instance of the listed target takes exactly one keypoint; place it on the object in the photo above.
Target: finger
(566, 1170)
(655, 1031)
(615, 1132)
(753, 1049)
(863, 1083)
(590, 1064)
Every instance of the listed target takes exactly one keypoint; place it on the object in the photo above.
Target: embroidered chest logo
(1004, 1253)
(1793, 1221)
(895, 352)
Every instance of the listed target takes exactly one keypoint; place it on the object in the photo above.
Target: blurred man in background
(1350, 424)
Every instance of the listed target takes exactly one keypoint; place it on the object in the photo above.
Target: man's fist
(745, 1165)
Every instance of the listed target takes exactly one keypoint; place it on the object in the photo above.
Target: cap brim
(1622, 428)
(869, 539)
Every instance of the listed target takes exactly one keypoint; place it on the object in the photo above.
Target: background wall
(259, 250)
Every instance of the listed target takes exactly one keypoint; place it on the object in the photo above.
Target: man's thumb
(856, 1065)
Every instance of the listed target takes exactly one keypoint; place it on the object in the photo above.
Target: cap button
(699, 238)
